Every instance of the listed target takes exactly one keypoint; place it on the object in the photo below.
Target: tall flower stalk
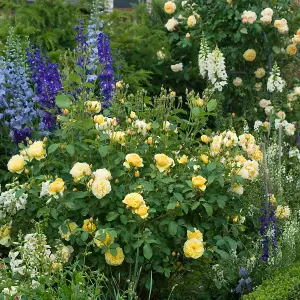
(18, 109)
(47, 84)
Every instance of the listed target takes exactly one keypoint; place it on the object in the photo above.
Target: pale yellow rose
(71, 226)
(170, 7)
(37, 150)
(133, 200)
(93, 107)
(191, 21)
(291, 49)
(205, 139)
(142, 211)
(193, 248)
(16, 164)
(199, 182)
(163, 162)
(101, 188)
(133, 160)
(118, 137)
(88, 226)
(56, 186)
(197, 234)
(114, 260)
(250, 55)
(183, 159)
(80, 170)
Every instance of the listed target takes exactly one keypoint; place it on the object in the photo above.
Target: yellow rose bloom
(4, 231)
(99, 119)
(260, 73)
(163, 162)
(291, 49)
(277, 23)
(250, 55)
(197, 234)
(133, 200)
(100, 188)
(191, 21)
(119, 84)
(102, 174)
(199, 102)
(71, 226)
(183, 159)
(255, 153)
(204, 158)
(16, 164)
(93, 107)
(205, 139)
(88, 226)
(282, 212)
(170, 7)
(133, 160)
(114, 260)
(193, 248)
(80, 170)
(199, 182)
(296, 39)
(37, 150)
(142, 211)
(107, 241)
(56, 186)
(118, 137)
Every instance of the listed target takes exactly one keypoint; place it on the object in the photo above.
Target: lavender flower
(17, 105)
(47, 83)
(243, 282)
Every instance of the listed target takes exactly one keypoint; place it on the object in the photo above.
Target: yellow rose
(119, 85)
(133, 160)
(142, 211)
(118, 137)
(193, 248)
(71, 226)
(170, 7)
(93, 107)
(260, 72)
(282, 212)
(16, 164)
(191, 21)
(102, 174)
(133, 115)
(205, 139)
(291, 49)
(100, 188)
(56, 186)
(133, 200)
(107, 241)
(199, 182)
(88, 226)
(197, 234)
(204, 158)
(199, 102)
(296, 39)
(249, 55)
(80, 170)
(99, 119)
(37, 150)
(4, 231)
(114, 260)
(238, 189)
(277, 23)
(183, 159)
(163, 162)
(255, 153)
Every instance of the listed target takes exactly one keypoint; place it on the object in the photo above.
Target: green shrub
(284, 285)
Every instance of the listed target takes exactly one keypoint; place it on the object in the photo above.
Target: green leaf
(178, 196)
(113, 251)
(232, 243)
(103, 150)
(84, 236)
(147, 251)
(208, 208)
(276, 49)
(112, 216)
(79, 195)
(75, 78)
(212, 105)
(63, 101)
(19, 193)
(70, 149)
(87, 124)
(123, 219)
(171, 205)
(222, 253)
(52, 148)
(173, 228)
(221, 202)
(70, 205)
(211, 166)
(79, 70)
(195, 205)
(244, 30)
(54, 213)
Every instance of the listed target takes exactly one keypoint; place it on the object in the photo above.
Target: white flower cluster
(10, 204)
(216, 69)
(267, 15)
(289, 128)
(294, 152)
(35, 255)
(275, 82)
(202, 58)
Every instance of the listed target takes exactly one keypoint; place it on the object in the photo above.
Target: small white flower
(177, 67)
